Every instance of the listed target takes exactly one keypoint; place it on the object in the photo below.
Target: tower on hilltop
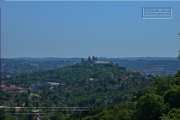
(90, 60)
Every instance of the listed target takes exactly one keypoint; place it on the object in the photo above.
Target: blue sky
(79, 29)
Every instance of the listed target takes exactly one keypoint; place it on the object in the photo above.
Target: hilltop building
(94, 60)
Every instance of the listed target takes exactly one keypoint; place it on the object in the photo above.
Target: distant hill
(83, 84)
(109, 90)
(144, 65)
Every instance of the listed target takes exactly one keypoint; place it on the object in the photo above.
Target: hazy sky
(77, 29)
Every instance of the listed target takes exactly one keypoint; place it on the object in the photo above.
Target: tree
(82, 60)
(173, 97)
(23, 117)
(125, 114)
(179, 51)
(89, 59)
(10, 117)
(2, 114)
(99, 89)
(150, 107)
(179, 56)
(163, 84)
(173, 114)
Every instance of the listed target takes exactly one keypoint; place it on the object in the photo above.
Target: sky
(79, 29)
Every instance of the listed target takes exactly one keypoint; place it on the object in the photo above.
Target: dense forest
(109, 90)
(83, 85)
(159, 101)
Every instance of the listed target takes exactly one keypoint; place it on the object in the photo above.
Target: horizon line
(87, 0)
(83, 57)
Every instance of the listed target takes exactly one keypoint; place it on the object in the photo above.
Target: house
(13, 89)
(54, 84)
(7, 102)
(92, 79)
(35, 97)
(3, 87)
(13, 86)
